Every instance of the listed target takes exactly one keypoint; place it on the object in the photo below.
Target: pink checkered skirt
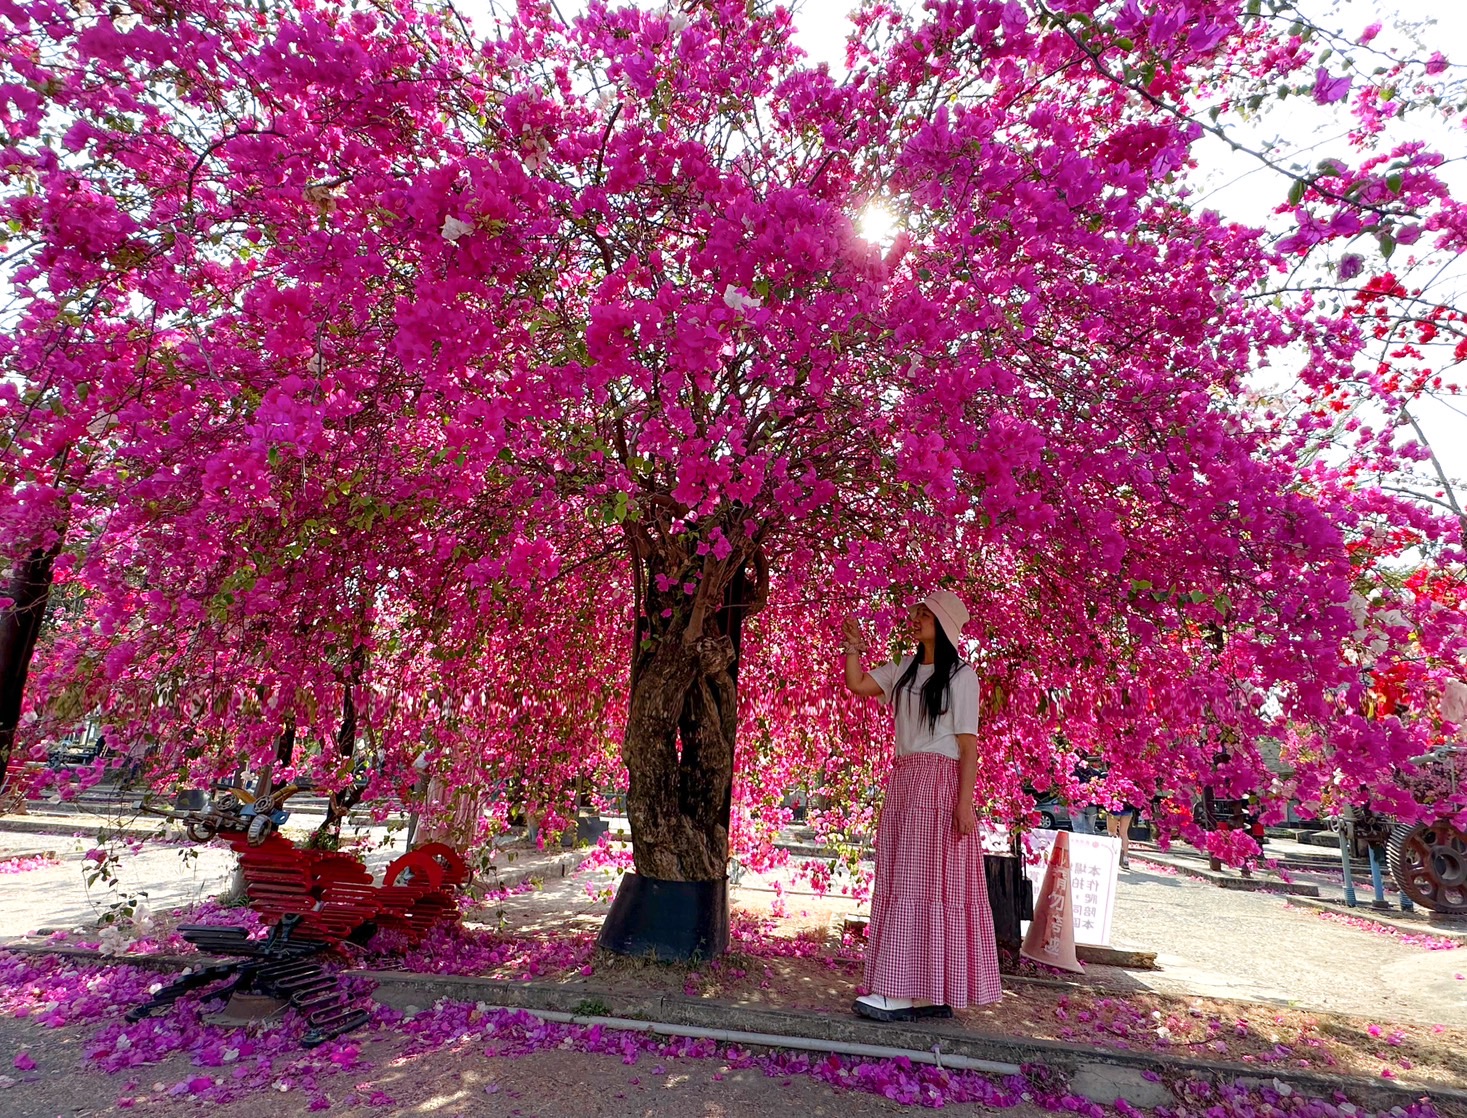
(931, 934)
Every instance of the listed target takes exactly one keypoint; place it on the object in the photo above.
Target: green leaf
(1296, 192)
(1395, 181)
(1387, 245)
(1124, 44)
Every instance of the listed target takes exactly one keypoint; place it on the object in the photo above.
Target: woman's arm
(857, 680)
(964, 818)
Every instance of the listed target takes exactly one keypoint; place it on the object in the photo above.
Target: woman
(930, 948)
(1118, 825)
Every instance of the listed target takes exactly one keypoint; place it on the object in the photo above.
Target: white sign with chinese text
(1094, 863)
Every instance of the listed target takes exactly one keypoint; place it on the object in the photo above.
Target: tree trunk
(679, 743)
(20, 626)
(341, 800)
(284, 750)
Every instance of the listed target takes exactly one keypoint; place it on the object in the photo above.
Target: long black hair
(938, 689)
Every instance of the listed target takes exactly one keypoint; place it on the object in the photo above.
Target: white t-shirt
(912, 732)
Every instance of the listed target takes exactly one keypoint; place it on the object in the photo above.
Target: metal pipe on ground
(951, 1061)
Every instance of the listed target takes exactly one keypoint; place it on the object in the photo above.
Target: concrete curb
(162, 963)
(1122, 957)
(1223, 881)
(512, 876)
(165, 962)
(1326, 840)
(1446, 927)
(1100, 1074)
(15, 855)
(57, 825)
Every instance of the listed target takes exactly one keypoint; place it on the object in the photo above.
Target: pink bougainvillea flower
(1328, 88)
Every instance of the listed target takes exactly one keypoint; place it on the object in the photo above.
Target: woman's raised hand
(855, 639)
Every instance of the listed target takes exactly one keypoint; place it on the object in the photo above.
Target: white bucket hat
(950, 612)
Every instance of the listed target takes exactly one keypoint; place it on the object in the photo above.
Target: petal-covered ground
(449, 1058)
(817, 971)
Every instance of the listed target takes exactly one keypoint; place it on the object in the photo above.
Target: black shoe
(937, 1012)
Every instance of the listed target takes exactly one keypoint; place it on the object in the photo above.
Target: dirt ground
(458, 1081)
(1298, 991)
(1108, 1008)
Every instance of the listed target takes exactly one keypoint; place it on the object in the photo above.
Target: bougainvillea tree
(528, 404)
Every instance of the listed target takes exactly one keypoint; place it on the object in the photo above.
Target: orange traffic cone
(1051, 936)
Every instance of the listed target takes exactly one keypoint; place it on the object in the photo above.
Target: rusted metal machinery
(1429, 863)
(1429, 859)
(281, 968)
(257, 814)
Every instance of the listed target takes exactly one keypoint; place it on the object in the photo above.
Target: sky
(1236, 185)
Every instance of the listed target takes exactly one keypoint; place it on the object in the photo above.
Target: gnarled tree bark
(20, 626)
(682, 718)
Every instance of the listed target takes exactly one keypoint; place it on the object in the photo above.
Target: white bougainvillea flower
(1359, 610)
(739, 300)
(453, 228)
(1454, 702)
(537, 156)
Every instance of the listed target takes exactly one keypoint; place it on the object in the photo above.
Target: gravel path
(57, 896)
(1253, 946)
